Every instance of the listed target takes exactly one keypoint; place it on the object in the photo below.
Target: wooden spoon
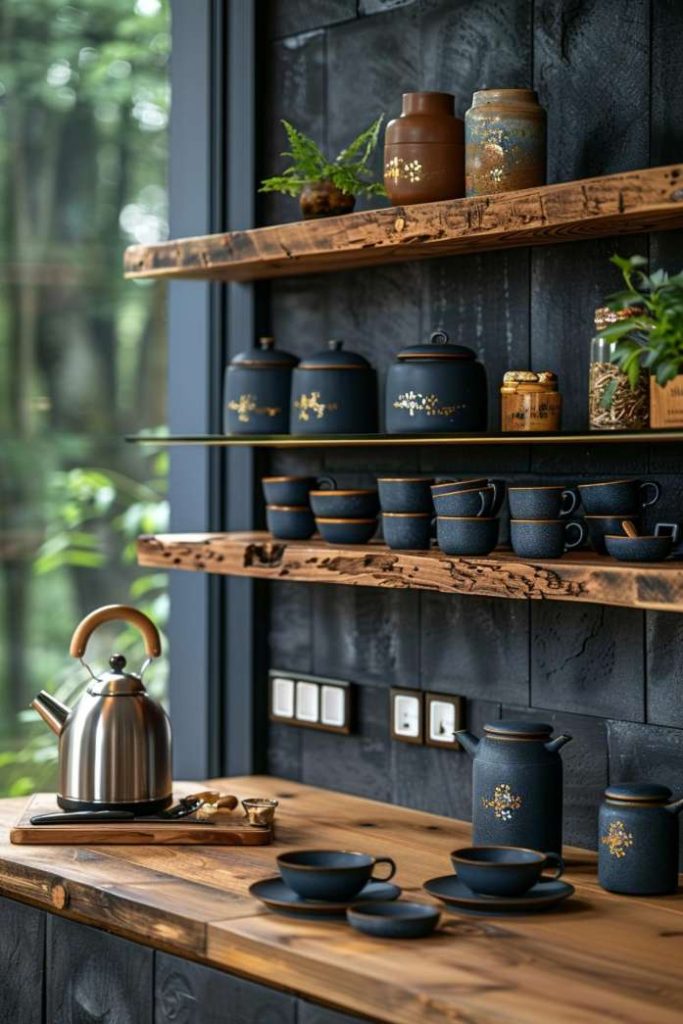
(628, 528)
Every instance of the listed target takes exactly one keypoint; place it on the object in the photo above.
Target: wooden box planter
(666, 403)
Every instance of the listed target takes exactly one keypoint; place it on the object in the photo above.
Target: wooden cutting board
(231, 831)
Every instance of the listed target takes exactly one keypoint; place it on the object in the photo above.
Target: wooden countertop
(599, 958)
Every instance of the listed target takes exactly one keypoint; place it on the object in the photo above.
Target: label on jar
(531, 412)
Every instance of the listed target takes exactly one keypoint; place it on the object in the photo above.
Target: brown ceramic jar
(424, 150)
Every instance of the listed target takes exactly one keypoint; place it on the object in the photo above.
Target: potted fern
(327, 187)
(653, 339)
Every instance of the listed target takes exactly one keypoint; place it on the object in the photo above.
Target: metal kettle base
(141, 808)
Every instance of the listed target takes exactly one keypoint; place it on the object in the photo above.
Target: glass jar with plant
(652, 339)
(327, 187)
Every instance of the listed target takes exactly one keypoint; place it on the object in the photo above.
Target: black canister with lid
(257, 390)
(436, 388)
(334, 392)
(638, 839)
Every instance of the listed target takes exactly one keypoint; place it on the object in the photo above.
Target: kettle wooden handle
(111, 613)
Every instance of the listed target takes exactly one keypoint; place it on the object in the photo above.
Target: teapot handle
(110, 613)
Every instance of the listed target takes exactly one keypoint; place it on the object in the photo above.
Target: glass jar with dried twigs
(613, 404)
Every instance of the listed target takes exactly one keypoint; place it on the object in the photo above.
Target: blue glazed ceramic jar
(504, 141)
(436, 388)
(334, 392)
(516, 785)
(638, 840)
(257, 390)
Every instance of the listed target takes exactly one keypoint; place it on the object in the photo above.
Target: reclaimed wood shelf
(599, 957)
(616, 204)
(577, 576)
(401, 440)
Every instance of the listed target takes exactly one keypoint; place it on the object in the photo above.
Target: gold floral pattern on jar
(246, 405)
(414, 402)
(310, 406)
(397, 169)
(503, 802)
(618, 839)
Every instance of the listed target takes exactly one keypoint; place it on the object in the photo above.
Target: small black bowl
(639, 549)
(359, 503)
(460, 535)
(346, 531)
(397, 920)
(407, 530)
(599, 526)
(405, 494)
(289, 522)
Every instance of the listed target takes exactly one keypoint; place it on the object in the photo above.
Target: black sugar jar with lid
(638, 839)
(257, 390)
(436, 388)
(334, 392)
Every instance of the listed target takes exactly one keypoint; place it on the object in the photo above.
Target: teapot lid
(519, 729)
(438, 348)
(639, 792)
(265, 356)
(117, 682)
(335, 357)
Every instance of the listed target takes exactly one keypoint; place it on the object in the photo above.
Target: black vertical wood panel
(22, 959)
(194, 994)
(309, 1013)
(93, 976)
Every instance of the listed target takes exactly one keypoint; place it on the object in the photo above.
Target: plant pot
(324, 199)
(666, 403)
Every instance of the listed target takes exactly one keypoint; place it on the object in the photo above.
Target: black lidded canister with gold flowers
(638, 839)
(334, 392)
(257, 390)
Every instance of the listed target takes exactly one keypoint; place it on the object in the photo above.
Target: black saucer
(278, 896)
(542, 896)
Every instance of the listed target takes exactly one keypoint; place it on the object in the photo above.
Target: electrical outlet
(444, 715)
(406, 709)
(311, 702)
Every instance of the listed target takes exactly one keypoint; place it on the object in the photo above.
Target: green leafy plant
(653, 338)
(349, 171)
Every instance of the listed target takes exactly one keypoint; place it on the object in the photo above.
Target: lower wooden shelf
(577, 576)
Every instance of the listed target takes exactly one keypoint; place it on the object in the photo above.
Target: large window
(84, 104)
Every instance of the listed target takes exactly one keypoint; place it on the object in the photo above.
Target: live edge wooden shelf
(577, 576)
(627, 203)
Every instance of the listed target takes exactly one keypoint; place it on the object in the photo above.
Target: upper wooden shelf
(401, 440)
(616, 204)
(577, 576)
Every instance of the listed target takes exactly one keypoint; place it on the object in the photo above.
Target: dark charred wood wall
(608, 73)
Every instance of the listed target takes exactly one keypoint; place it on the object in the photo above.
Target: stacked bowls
(467, 515)
(345, 516)
(407, 511)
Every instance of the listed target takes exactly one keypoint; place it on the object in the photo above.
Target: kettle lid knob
(117, 662)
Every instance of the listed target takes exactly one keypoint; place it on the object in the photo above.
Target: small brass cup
(259, 811)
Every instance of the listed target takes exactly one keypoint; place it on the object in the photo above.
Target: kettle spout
(676, 807)
(51, 710)
(557, 742)
(467, 740)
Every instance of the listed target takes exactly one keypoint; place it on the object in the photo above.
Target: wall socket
(430, 718)
(310, 701)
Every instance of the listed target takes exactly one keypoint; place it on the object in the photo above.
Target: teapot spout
(557, 743)
(676, 807)
(51, 710)
(467, 740)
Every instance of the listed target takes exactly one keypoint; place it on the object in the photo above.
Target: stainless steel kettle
(115, 745)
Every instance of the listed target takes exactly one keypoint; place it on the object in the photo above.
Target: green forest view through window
(84, 105)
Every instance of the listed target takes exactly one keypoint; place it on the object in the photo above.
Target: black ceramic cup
(503, 870)
(599, 526)
(292, 490)
(474, 502)
(541, 502)
(399, 919)
(545, 538)
(405, 494)
(465, 535)
(346, 531)
(352, 503)
(449, 486)
(290, 522)
(407, 530)
(330, 874)
(619, 497)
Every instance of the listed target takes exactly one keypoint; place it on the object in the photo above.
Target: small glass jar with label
(530, 402)
(612, 403)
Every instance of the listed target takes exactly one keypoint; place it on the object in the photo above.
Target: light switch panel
(282, 697)
(310, 702)
(406, 715)
(444, 715)
(307, 701)
(333, 705)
